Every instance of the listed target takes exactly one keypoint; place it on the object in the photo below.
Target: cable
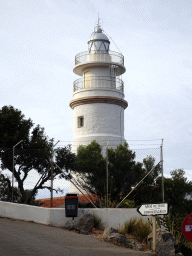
(112, 41)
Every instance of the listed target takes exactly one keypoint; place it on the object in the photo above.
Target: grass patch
(138, 228)
(128, 227)
(96, 221)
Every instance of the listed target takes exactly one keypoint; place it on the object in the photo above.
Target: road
(20, 238)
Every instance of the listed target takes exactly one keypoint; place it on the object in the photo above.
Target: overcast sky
(38, 43)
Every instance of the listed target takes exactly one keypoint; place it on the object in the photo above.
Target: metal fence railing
(98, 82)
(114, 57)
(31, 169)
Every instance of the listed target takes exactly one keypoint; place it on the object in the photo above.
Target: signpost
(187, 227)
(153, 210)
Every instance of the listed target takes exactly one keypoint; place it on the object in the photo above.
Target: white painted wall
(56, 216)
(98, 92)
(25, 212)
(100, 119)
(98, 71)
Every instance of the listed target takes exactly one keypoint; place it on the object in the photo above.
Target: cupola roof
(98, 34)
(99, 42)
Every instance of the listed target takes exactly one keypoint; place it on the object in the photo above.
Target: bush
(173, 224)
(96, 221)
(127, 204)
(128, 227)
(142, 230)
(138, 228)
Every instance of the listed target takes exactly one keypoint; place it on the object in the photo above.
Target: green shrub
(173, 224)
(128, 227)
(142, 230)
(127, 204)
(136, 227)
(96, 221)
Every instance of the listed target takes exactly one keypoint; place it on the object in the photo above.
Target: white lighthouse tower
(98, 96)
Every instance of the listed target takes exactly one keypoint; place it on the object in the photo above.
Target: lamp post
(52, 152)
(14, 166)
(162, 171)
(107, 174)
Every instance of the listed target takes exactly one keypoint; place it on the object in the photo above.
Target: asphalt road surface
(20, 238)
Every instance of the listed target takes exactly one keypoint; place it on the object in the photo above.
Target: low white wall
(56, 216)
(25, 212)
(112, 217)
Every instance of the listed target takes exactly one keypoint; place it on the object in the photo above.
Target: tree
(149, 190)
(34, 153)
(178, 196)
(123, 171)
(13, 126)
(5, 184)
(91, 167)
(177, 191)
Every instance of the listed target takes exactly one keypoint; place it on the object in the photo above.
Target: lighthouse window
(80, 121)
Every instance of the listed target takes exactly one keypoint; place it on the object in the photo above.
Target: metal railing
(98, 82)
(114, 57)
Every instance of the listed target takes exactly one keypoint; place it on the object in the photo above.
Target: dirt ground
(98, 233)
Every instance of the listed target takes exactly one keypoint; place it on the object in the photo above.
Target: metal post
(52, 178)
(154, 233)
(13, 171)
(52, 152)
(107, 174)
(161, 153)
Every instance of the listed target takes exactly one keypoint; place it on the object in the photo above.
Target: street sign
(153, 209)
(187, 227)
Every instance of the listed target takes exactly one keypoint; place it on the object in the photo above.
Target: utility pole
(161, 156)
(51, 177)
(107, 174)
(13, 171)
(52, 152)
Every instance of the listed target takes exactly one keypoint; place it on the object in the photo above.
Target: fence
(143, 150)
(32, 169)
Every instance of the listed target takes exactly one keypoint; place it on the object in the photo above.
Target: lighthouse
(98, 95)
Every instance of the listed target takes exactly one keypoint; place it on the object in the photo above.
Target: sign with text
(153, 209)
(187, 227)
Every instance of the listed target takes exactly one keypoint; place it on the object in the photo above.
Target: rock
(138, 246)
(83, 232)
(159, 238)
(179, 254)
(134, 244)
(164, 242)
(112, 235)
(108, 231)
(116, 237)
(166, 249)
(71, 224)
(85, 223)
(166, 236)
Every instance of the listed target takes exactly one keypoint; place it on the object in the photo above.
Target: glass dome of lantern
(99, 42)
